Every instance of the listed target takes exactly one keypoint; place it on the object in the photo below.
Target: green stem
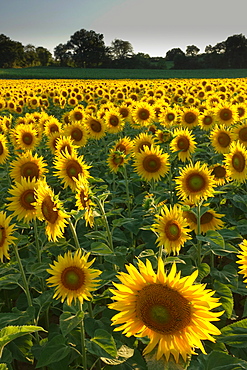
(83, 344)
(127, 189)
(108, 231)
(73, 231)
(37, 240)
(199, 243)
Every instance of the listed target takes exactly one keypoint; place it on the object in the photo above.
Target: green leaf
(10, 333)
(9, 281)
(53, 351)
(214, 242)
(226, 298)
(16, 317)
(204, 270)
(68, 322)
(105, 340)
(101, 249)
(235, 334)
(219, 361)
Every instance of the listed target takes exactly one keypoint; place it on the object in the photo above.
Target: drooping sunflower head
(142, 140)
(6, 237)
(236, 162)
(172, 229)
(124, 145)
(195, 182)
(172, 312)
(83, 196)
(184, 143)
(73, 278)
(151, 163)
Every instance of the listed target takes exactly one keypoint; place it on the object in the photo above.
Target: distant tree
(30, 55)
(11, 52)
(87, 48)
(171, 54)
(121, 49)
(209, 49)
(43, 55)
(220, 47)
(192, 50)
(62, 55)
(236, 51)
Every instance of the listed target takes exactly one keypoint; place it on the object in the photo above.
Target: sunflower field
(123, 224)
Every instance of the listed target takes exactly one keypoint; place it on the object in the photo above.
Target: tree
(87, 48)
(43, 55)
(192, 50)
(220, 47)
(30, 54)
(11, 52)
(236, 51)
(209, 49)
(171, 54)
(62, 55)
(121, 49)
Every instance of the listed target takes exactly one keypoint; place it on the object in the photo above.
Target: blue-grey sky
(151, 26)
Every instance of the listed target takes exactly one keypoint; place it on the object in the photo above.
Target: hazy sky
(151, 26)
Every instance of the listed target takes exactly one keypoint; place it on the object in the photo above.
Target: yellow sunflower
(6, 238)
(219, 172)
(4, 150)
(22, 198)
(240, 133)
(96, 127)
(49, 208)
(52, 124)
(26, 137)
(184, 143)
(172, 312)
(172, 229)
(151, 163)
(84, 202)
(63, 144)
(143, 114)
(221, 138)
(189, 117)
(29, 166)
(195, 182)
(226, 114)
(142, 140)
(77, 114)
(73, 278)
(206, 120)
(69, 166)
(236, 162)
(114, 121)
(242, 259)
(169, 116)
(124, 145)
(78, 133)
(115, 160)
(210, 220)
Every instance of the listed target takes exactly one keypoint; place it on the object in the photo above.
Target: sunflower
(242, 259)
(221, 138)
(195, 182)
(22, 198)
(240, 133)
(172, 312)
(52, 125)
(4, 150)
(169, 116)
(242, 110)
(63, 144)
(151, 163)
(77, 114)
(206, 120)
(73, 277)
(78, 133)
(125, 112)
(69, 166)
(142, 140)
(236, 162)
(172, 229)
(96, 127)
(29, 166)
(124, 145)
(210, 220)
(26, 137)
(163, 136)
(114, 121)
(219, 172)
(226, 114)
(49, 208)
(184, 143)
(115, 160)
(189, 117)
(6, 237)
(143, 114)
(52, 141)
(84, 202)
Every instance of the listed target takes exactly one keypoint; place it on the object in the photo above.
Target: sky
(151, 26)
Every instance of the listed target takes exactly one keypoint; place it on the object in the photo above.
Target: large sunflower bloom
(73, 277)
(96, 127)
(78, 133)
(22, 198)
(28, 166)
(219, 172)
(26, 137)
(6, 237)
(49, 208)
(195, 182)
(184, 143)
(221, 138)
(226, 114)
(69, 166)
(236, 162)
(143, 114)
(172, 312)
(172, 229)
(151, 163)
(189, 117)
(114, 121)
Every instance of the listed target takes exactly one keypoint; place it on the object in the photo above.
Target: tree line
(87, 49)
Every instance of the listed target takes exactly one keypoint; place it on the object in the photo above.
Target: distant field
(91, 73)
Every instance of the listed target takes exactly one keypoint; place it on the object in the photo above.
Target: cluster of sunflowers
(174, 150)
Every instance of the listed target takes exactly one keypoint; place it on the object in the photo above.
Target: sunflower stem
(83, 344)
(127, 189)
(37, 240)
(199, 243)
(75, 237)
(104, 218)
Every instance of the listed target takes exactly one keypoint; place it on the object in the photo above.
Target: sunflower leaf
(226, 298)
(68, 322)
(105, 341)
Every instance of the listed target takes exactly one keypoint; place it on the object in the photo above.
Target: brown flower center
(238, 162)
(78, 116)
(243, 134)
(76, 134)
(114, 121)
(2, 235)
(143, 114)
(189, 117)
(1, 148)
(142, 144)
(207, 120)
(225, 114)
(151, 163)
(30, 169)
(224, 139)
(95, 126)
(163, 309)
(73, 278)
(170, 116)
(206, 218)
(195, 182)
(26, 198)
(183, 143)
(49, 210)
(219, 172)
(124, 112)
(172, 230)
(73, 169)
(27, 138)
